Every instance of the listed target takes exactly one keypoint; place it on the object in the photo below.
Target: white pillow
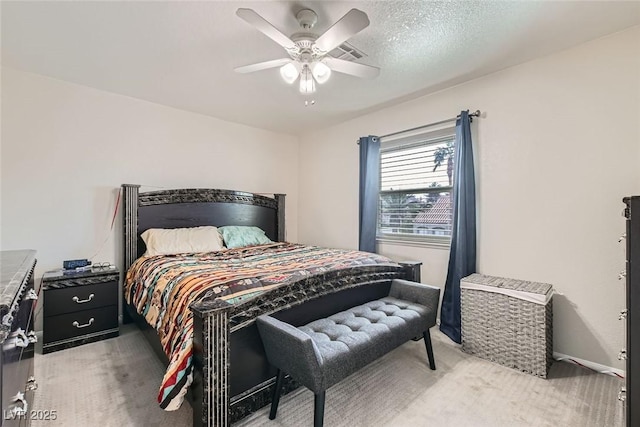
(167, 241)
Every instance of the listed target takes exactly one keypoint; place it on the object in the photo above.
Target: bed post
(130, 224)
(211, 349)
(130, 238)
(412, 270)
(280, 220)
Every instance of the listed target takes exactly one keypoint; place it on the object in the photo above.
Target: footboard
(218, 326)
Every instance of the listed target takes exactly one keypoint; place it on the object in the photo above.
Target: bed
(230, 375)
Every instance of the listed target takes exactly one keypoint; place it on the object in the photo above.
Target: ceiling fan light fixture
(307, 84)
(321, 72)
(289, 73)
(308, 53)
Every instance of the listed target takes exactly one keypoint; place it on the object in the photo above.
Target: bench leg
(318, 413)
(276, 395)
(427, 343)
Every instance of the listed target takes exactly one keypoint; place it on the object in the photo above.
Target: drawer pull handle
(31, 295)
(622, 355)
(31, 383)
(15, 411)
(79, 326)
(622, 394)
(21, 338)
(82, 301)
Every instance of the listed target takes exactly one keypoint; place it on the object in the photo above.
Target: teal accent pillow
(239, 236)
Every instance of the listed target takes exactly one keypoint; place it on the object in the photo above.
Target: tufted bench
(323, 352)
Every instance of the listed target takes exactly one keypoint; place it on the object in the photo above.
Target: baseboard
(603, 369)
(591, 365)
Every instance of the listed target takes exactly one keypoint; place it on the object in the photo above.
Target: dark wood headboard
(195, 207)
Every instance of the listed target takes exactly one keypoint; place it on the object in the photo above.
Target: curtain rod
(471, 115)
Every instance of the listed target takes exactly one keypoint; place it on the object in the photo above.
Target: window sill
(433, 244)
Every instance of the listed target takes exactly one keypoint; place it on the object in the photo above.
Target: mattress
(162, 288)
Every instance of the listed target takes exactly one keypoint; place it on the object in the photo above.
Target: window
(416, 176)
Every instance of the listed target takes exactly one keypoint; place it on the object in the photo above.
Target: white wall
(555, 154)
(66, 149)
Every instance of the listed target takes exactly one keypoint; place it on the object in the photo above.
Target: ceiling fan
(308, 53)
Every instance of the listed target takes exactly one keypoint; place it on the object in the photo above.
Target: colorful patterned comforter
(162, 288)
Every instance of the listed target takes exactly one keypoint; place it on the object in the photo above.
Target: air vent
(347, 52)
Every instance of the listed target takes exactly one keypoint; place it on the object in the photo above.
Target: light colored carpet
(114, 383)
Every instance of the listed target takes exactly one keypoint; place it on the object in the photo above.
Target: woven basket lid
(540, 292)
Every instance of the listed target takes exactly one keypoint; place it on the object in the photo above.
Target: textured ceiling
(182, 54)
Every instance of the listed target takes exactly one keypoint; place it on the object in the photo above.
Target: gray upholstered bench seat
(323, 352)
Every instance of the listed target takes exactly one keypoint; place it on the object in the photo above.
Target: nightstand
(79, 308)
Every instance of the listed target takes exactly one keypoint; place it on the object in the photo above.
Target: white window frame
(432, 136)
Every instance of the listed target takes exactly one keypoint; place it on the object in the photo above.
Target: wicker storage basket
(508, 321)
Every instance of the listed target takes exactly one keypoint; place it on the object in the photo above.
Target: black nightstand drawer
(79, 307)
(77, 298)
(71, 325)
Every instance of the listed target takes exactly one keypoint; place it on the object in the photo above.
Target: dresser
(79, 308)
(632, 312)
(17, 302)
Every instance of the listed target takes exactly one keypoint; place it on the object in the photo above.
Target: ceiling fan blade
(262, 65)
(350, 24)
(352, 68)
(266, 28)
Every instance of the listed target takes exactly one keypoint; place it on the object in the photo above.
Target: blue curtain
(369, 191)
(462, 259)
